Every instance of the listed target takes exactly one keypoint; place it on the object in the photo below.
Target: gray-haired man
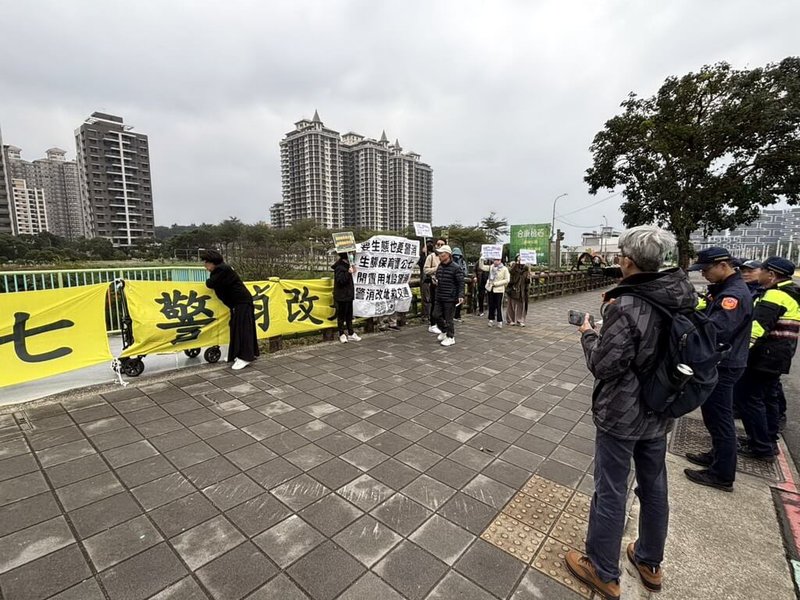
(624, 352)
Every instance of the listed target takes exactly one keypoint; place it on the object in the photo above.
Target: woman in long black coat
(343, 295)
(243, 347)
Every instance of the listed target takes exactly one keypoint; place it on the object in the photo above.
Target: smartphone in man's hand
(576, 318)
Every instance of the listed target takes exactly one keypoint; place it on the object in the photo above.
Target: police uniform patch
(730, 303)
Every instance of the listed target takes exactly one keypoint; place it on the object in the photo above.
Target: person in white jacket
(496, 287)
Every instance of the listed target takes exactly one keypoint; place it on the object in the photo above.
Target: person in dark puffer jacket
(625, 351)
(449, 281)
(343, 295)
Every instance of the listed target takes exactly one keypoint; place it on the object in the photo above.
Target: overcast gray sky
(501, 98)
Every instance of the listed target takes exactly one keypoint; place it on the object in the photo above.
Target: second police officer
(776, 325)
(728, 304)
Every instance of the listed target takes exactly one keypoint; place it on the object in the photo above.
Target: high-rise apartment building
(68, 215)
(350, 181)
(30, 214)
(114, 179)
(276, 215)
(311, 174)
(411, 193)
(7, 223)
(57, 180)
(365, 178)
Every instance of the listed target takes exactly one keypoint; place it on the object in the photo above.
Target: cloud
(501, 98)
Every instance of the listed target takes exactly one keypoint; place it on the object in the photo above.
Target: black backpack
(688, 338)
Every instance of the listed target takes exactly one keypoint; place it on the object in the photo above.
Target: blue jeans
(718, 418)
(612, 465)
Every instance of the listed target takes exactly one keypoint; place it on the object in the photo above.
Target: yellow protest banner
(285, 306)
(49, 332)
(170, 316)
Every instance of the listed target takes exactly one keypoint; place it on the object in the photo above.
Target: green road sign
(531, 237)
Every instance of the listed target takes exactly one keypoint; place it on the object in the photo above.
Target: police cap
(709, 257)
(779, 265)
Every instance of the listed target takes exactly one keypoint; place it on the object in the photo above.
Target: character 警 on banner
(383, 270)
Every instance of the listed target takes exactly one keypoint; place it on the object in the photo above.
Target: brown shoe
(580, 566)
(651, 576)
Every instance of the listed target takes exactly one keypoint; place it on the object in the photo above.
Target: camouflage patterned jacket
(629, 344)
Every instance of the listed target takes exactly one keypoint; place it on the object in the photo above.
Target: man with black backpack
(773, 342)
(729, 306)
(625, 357)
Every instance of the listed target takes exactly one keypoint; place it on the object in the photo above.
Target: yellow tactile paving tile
(532, 512)
(550, 561)
(579, 506)
(514, 537)
(571, 530)
(547, 491)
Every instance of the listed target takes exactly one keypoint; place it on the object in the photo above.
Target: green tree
(706, 152)
(494, 227)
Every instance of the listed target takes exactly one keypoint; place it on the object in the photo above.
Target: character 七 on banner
(169, 316)
(49, 332)
(383, 270)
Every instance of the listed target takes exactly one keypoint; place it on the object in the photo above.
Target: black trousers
(344, 317)
(718, 418)
(481, 292)
(433, 304)
(244, 343)
(760, 411)
(495, 307)
(443, 313)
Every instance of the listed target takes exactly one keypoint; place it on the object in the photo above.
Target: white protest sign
(492, 251)
(423, 230)
(528, 257)
(383, 269)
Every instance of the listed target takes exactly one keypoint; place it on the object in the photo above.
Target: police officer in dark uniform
(729, 306)
(773, 342)
(751, 270)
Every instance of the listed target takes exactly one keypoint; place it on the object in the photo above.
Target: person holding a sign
(429, 283)
(243, 347)
(449, 280)
(496, 287)
(343, 295)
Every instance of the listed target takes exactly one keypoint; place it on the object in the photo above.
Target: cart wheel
(133, 367)
(192, 353)
(212, 354)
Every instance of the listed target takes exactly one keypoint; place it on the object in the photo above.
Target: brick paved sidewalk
(391, 468)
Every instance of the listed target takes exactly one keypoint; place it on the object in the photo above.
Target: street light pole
(553, 222)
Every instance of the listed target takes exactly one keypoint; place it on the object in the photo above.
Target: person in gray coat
(624, 352)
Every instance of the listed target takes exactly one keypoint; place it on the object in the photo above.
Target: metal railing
(26, 281)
